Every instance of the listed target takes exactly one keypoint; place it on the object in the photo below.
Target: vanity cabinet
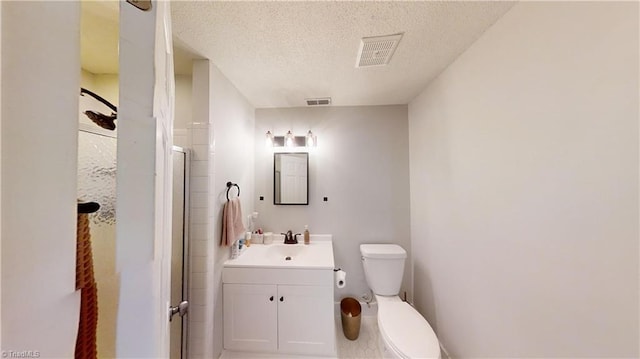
(250, 317)
(296, 319)
(279, 299)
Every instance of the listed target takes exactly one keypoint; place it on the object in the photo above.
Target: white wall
(233, 127)
(524, 178)
(361, 164)
(40, 306)
(184, 111)
(222, 145)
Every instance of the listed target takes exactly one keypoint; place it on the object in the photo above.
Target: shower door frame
(186, 254)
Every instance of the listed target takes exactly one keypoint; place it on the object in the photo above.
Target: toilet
(403, 331)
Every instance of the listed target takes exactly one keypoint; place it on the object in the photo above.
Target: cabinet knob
(271, 299)
(282, 299)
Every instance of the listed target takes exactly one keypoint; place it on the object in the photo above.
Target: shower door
(179, 256)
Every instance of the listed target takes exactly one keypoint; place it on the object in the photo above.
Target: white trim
(444, 351)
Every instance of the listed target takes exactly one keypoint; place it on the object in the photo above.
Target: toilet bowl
(404, 333)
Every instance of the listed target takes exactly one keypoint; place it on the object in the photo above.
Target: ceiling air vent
(377, 50)
(318, 101)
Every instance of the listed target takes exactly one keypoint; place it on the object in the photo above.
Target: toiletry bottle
(306, 234)
(247, 239)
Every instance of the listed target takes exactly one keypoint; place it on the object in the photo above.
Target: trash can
(350, 311)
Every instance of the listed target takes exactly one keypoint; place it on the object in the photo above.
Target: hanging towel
(232, 226)
(86, 344)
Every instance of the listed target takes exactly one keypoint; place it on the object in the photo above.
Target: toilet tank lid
(391, 251)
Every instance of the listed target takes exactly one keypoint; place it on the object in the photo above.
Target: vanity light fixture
(291, 140)
(311, 139)
(269, 139)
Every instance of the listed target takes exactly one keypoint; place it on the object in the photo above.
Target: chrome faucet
(289, 238)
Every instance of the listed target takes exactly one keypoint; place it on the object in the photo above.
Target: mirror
(291, 178)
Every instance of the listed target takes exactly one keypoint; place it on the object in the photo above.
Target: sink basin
(316, 255)
(288, 252)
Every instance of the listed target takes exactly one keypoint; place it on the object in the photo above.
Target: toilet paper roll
(340, 276)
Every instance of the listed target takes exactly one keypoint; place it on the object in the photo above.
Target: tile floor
(365, 346)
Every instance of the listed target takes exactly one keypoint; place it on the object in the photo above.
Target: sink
(288, 252)
(316, 255)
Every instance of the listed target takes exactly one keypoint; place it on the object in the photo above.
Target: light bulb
(311, 139)
(289, 139)
(269, 139)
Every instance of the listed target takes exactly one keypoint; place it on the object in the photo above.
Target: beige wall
(361, 164)
(524, 187)
(184, 103)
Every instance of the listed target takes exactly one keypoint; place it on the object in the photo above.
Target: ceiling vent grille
(322, 101)
(377, 50)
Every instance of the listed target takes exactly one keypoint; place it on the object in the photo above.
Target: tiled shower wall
(221, 122)
(201, 235)
(193, 134)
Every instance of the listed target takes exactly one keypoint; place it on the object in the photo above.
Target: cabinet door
(306, 320)
(250, 317)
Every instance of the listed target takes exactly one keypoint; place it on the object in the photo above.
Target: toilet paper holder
(339, 275)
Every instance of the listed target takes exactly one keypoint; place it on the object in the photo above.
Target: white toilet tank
(383, 267)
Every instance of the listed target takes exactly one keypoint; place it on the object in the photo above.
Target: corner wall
(524, 187)
(361, 164)
(222, 145)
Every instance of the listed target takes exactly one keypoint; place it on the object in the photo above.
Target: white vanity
(278, 298)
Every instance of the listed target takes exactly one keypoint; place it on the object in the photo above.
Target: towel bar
(229, 185)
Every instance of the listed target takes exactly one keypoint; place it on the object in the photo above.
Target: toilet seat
(405, 331)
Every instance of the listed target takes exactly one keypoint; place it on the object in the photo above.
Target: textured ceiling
(279, 53)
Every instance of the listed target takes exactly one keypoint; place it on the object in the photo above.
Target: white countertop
(318, 254)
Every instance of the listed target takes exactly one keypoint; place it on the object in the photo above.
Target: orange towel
(86, 344)
(232, 226)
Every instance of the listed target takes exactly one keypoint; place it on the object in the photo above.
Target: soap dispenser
(306, 234)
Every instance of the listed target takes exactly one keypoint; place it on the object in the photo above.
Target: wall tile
(199, 231)
(199, 125)
(197, 311)
(199, 168)
(199, 248)
(199, 265)
(199, 184)
(200, 136)
(198, 297)
(200, 152)
(198, 281)
(199, 215)
(199, 201)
